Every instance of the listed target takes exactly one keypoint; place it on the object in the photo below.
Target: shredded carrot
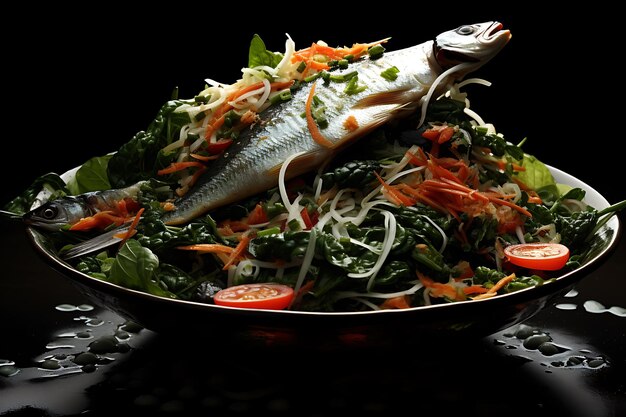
(396, 303)
(168, 206)
(132, 229)
(239, 249)
(179, 166)
(203, 157)
(397, 197)
(351, 124)
(497, 287)
(100, 220)
(310, 122)
(208, 248)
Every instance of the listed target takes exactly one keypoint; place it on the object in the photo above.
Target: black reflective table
(60, 355)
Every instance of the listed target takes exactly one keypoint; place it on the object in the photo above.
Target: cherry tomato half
(267, 295)
(541, 256)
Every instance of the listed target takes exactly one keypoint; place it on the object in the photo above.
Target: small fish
(70, 210)
(252, 164)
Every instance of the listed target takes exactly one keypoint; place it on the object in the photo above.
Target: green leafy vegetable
(390, 74)
(259, 55)
(92, 175)
(134, 267)
(22, 203)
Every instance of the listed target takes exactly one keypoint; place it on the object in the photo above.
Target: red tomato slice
(267, 295)
(541, 256)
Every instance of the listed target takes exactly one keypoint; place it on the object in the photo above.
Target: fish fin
(96, 243)
(398, 97)
(300, 164)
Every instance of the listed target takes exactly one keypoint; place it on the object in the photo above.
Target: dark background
(81, 84)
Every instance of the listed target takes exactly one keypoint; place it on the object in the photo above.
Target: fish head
(55, 214)
(472, 44)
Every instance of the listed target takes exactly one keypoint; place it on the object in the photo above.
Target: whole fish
(69, 210)
(252, 164)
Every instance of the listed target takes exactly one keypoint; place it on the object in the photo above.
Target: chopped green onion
(301, 67)
(281, 97)
(294, 225)
(376, 51)
(390, 74)
(201, 115)
(267, 232)
(312, 77)
(353, 86)
(318, 110)
(202, 99)
(349, 57)
(343, 63)
(231, 118)
(341, 78)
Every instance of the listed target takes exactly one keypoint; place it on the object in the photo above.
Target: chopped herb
(376, 51)
(353, 86)
(281, 97)
(390, 74)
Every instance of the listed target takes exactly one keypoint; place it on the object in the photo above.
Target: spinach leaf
(134, 267)
(92, 175)
(283, 246)
(143, 151)
(484, 275)
(23, 202)
(259, 55)
(352, 174)
(575, 228)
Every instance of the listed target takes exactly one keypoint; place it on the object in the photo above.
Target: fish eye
(465, 30)
(50, 213)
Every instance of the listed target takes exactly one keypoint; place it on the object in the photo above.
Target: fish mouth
(495, 33)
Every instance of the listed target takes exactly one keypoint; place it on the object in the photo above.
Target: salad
(434, 208)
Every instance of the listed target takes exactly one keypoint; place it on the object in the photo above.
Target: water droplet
(548, 349)
(85, 358)
(499, 342)
(50, 364)
(105, 344)
(9, 370)
(88, 368)
(533, 342)
(571, 293)
(66, 307)
(596, 363)
(52, 345)
(84, 307)
(566, 306)
(131, 327)
(122, 335)
(592, 306)
(618, 311)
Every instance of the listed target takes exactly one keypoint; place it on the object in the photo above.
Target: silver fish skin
(59, 212)
(251, 164)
